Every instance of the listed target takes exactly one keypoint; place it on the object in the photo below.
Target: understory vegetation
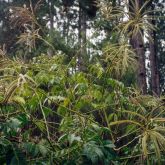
(75, 108)
(53, 115)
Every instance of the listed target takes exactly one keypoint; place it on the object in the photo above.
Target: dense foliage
(65, 99)
(52, 114)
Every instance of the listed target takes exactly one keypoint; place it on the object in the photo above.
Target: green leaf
(93, 152)
(43, 149)
(63, 138)
(14, 124)
(47, 111)
(62, 110)
(31, 148)
(108, 144)
(40, 125)
(18, 99)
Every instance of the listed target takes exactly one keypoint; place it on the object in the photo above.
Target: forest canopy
(82, 82)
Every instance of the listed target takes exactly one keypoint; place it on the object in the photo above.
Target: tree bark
(137, 43)
(82, 28)
(154, 69)
(50, 51)
(155, 84)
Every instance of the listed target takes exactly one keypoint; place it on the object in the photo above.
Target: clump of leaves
(119, 58)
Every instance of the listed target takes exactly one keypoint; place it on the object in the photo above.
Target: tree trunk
(50, 51)
(82, 27)
(137, 43)
(155, 84)
(66, 24)
(51, 14)
(154, 69)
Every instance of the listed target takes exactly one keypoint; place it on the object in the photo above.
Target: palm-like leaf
(120, 57)
(149, 123)
(132, 19)
(29, 38)
(137, 20)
